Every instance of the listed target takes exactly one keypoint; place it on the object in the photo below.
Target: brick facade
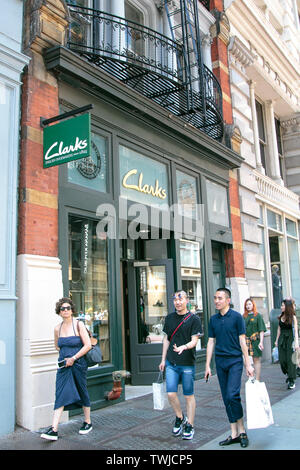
(220, 32)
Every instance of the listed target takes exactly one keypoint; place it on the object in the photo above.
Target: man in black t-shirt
(182, 330)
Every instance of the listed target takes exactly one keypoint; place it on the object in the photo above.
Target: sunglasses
(62, 309)
(179, 296)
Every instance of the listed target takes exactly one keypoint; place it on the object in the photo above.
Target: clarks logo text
(79, 145)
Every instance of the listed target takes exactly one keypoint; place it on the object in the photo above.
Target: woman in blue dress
(73, 342)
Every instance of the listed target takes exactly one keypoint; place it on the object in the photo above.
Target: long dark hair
(289, 312)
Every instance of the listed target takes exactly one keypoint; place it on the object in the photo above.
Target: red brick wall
(219, 53)
(38, 215)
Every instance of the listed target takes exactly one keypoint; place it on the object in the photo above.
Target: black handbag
(94, 355)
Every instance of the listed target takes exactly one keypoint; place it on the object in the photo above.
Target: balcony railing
(150, 62)
(275, 193)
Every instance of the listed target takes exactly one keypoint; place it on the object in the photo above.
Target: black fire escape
(166, 69)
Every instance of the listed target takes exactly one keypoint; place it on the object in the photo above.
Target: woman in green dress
(255, 328)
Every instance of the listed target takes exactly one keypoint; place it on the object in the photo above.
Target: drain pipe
(116, 391)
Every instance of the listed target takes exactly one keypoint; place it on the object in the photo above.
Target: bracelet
(186, 346)
(75, 358)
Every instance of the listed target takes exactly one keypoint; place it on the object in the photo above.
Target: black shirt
(190, 327)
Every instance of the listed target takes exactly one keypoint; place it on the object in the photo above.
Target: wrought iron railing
(99, 33)
(150, 62)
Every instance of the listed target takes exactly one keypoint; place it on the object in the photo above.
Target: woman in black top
(287, 340)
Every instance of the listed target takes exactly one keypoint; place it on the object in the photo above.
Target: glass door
(150, 289)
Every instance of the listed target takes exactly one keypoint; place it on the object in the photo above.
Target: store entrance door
(150, 287)
(218, 265)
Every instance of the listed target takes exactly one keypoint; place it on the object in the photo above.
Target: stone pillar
(39, 276)
(206, 50)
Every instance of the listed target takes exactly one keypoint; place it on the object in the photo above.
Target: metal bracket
(44, 122)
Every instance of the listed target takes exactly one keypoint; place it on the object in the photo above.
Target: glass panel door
(150, 289)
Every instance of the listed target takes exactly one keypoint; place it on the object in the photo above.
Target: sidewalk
(134, 425)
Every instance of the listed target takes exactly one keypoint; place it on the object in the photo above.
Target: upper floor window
(261, 133)
(134, 40)
(279, 146)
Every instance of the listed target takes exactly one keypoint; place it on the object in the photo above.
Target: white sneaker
(188, 431)
(85, 428)
(50, 434)
(178, 426)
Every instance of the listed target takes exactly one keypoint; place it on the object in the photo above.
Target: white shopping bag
(159, 394)
(258, 407)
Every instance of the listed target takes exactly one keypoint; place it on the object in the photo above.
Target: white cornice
(252, 25)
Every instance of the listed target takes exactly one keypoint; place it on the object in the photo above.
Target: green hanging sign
(66, 141)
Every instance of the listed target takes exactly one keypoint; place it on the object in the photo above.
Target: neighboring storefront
(12, 63)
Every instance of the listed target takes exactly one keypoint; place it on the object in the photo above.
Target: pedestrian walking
(287, 341)
(226, 334)
(255, 328)
(73, 342)
(182, 331)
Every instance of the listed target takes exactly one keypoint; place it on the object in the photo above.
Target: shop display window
(91, 172)
(88, 279)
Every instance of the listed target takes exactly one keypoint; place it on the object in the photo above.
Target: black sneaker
(85, 428)
(178, 426)
(50, 434)
(188, 431)
(291, 384)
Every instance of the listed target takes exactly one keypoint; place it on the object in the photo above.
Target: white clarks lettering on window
(155, 191)
(79, 145)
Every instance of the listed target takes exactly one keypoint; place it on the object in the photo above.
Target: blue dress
(71, 382)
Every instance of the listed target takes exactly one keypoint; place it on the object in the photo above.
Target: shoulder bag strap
(179, 326)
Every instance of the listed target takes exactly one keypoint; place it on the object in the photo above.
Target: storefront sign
(66, 141)
(143, 179)
(155, 191)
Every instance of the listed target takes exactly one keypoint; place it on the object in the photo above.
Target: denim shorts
(175, 374)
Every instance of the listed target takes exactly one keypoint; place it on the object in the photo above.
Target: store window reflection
(152, 286)
(191, 278)
(88, 279)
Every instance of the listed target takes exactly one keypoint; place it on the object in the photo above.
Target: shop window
(217, 202)
(152, 288)
(91, 172)
(293, 252)
(186, 194)
(88, 279)
(191, 278)
(143, 179)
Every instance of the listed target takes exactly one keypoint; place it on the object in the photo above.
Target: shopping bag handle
(160, 377)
